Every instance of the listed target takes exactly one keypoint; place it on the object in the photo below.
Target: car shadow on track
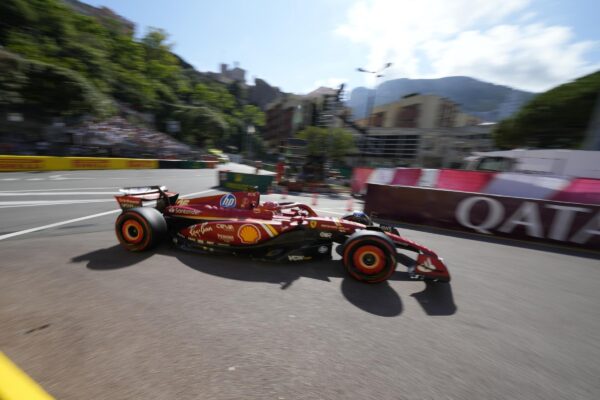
(378, 299)
(114, 257)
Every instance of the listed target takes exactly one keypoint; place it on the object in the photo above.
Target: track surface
(88, 320)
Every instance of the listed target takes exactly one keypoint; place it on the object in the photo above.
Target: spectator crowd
(115, 137)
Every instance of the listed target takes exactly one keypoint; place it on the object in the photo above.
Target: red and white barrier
(513, 184)
(463, 181)
(529, 186)
(580, 190)
(360, 176)
(406, 176)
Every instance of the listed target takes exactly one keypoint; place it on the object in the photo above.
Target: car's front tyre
(369, 256)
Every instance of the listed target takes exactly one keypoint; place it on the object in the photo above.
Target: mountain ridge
(486, 100)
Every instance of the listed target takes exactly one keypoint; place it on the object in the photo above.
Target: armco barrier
(48, 163)
(188, 164)
(170, 164)
(239, 181)
(26, 163)
(569, 224)
(43, 163)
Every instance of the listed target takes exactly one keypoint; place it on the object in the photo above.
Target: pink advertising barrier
(463, 181)
(406, 176)
(580, 190)
(360, 176)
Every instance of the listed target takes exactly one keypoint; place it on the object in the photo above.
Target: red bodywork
(238, 219)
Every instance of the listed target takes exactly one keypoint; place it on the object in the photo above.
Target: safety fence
(48, 163)
(514, 184)
(567, 224)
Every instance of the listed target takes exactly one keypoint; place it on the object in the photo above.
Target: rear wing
(156, 196)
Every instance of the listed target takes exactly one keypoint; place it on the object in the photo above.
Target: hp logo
(228, 201)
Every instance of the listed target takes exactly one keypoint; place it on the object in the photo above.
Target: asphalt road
(88, 320)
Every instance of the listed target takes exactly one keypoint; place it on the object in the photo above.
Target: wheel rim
(369, 259)
(132, 231)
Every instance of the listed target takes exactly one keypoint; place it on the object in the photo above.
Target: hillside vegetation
(55, 62)
(557, 118)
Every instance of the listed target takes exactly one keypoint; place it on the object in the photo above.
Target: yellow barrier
(16, 385)
(44, 163)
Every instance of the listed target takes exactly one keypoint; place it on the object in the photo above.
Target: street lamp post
(371, 99)
(250, 131)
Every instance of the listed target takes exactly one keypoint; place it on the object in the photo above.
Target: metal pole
(371, 99)
(592, 137)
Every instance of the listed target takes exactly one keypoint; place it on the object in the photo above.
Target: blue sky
(299, 45)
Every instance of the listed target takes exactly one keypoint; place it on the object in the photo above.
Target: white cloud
(493, 40)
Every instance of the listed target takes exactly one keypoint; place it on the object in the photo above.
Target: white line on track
(18, 204)
(57, 190)
(16, 193)
(70, 221)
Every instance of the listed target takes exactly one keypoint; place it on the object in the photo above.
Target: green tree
(333, 143)
(557, 118)
(64, 63)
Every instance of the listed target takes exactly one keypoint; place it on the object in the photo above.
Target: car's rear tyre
(369, 256)
(140, 229)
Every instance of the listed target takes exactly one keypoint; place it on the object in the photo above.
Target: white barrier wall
(428, 177)
(526, 185)
(382, 176)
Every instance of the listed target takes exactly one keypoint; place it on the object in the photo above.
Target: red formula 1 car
(237, 223)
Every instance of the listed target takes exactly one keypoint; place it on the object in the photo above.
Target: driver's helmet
(360, 217)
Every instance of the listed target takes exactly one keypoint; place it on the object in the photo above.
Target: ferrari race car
(237, 223)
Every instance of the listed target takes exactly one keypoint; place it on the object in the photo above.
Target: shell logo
(249, 234)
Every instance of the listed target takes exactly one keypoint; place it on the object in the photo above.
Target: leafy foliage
(57, 62)
(335, 142)
(557, 118)
(47, 90)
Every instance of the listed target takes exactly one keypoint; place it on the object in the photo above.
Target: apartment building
(420, 111)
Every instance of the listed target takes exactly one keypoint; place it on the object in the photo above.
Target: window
(408, 116)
